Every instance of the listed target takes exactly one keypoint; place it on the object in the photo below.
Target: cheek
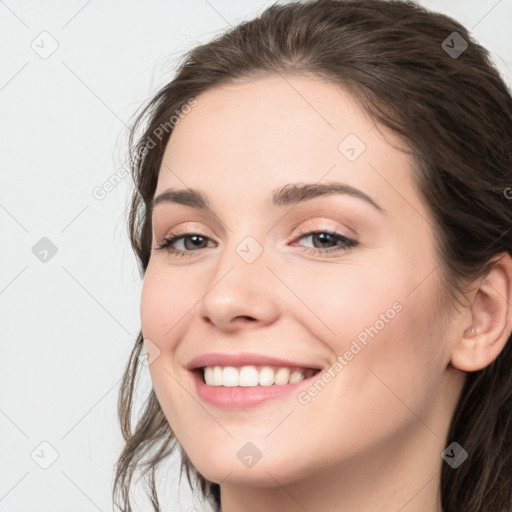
(381, 324)
(341, 305)
(401, 354)
(161, 308)
(164, 302)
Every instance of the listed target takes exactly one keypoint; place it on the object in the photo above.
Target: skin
(372, 438)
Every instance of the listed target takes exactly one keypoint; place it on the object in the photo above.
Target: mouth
(242, 380)
(252, 375)
(244, 387)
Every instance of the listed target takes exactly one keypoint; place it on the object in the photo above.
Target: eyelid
(302, 213)
(166, 222)
(183, 228)
(307, 229)
(350, 240)
(347, 242)
(323, 223)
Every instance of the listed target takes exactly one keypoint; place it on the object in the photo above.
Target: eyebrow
(289, 194)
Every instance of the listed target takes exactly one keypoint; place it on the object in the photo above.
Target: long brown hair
(449, 104)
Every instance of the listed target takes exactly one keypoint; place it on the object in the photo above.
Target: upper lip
(245, 359)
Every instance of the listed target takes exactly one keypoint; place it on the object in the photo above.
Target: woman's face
(267, 279)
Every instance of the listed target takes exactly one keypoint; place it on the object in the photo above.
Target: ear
(489, 321)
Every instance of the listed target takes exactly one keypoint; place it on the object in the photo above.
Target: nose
(241, 294)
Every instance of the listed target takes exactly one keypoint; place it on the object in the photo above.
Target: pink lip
(243, 359)
(243, 397)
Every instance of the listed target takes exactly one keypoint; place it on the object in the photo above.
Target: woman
(322, 219)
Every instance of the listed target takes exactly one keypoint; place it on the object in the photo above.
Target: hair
(454, 113)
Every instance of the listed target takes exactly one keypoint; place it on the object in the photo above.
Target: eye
(196, 238)
(325, 236)
(198, 241)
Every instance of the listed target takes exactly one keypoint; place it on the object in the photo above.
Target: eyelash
(347, 243)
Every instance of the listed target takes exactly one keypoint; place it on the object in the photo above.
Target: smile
(242, 380)
(248, 376)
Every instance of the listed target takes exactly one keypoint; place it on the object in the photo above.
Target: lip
(245, 359)
(241, 397)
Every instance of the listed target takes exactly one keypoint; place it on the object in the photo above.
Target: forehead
(271, 130)
(271, 115)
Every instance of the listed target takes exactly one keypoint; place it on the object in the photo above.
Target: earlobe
(490, 320)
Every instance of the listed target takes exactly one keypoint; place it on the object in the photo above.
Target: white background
(68, 325)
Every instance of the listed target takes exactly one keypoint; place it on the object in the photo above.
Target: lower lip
(240, 397)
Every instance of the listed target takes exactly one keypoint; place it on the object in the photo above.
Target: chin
(227, 466)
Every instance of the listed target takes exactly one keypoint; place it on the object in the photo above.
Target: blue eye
(197, 242)
(172, 238)
(329, 237)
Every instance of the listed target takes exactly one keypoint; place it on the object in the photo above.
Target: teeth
(296, 376)
(229, 376)
(266, 376)
(247, 376)
(282, 376)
